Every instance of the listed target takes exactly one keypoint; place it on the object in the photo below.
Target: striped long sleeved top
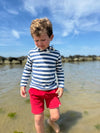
(45, 69)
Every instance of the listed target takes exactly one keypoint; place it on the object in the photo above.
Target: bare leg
(54, 116)
(39, 122)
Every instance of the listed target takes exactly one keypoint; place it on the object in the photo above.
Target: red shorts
(37, 98)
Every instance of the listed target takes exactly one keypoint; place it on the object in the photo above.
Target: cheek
(47, 42)
(36, 43)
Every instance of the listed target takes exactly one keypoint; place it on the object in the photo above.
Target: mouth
(42, 47)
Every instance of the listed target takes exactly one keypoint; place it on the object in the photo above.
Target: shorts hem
(54, 107)
(37, 113)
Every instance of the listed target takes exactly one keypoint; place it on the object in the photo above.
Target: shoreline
(80, 58)
(70, 59)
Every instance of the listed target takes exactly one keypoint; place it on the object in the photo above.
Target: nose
(39, 43)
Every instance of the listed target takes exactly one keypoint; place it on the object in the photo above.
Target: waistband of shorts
(44, 90)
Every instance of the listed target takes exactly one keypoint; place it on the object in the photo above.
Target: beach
(80, 109)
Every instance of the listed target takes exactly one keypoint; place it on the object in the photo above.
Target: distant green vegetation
(74, 58)
(12, 114)
(80, 58)
(10, 60)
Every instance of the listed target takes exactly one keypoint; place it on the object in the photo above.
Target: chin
(43, 48)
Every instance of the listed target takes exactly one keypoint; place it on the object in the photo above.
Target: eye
(43, 40)
(36, 40)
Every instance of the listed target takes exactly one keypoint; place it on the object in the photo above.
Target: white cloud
(77, 15)
(5, 36)
(35, 6)
(11, 11)
(16, 34)
(73, 16)
(8, 37)
(8, 8)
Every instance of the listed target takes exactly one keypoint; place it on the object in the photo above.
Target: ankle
(54, 125)
(51, 121)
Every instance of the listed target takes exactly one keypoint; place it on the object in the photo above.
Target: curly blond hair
(39, 26)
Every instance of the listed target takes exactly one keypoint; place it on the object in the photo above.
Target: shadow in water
(66, 121)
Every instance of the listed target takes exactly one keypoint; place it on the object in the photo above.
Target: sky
(76, 26)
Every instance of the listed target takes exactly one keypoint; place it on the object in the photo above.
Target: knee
(38, 120)
(55, 117)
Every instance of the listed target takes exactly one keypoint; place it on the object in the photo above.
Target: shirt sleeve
(26, 72)
(60, 73)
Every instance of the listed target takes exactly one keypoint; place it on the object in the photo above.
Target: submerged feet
(54, 125)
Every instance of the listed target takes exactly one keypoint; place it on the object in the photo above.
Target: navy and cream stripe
(45, 69)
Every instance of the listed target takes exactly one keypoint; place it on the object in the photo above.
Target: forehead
(44, 35)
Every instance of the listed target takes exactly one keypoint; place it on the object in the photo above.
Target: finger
(23, 93)
(57, 91)
(60, 94)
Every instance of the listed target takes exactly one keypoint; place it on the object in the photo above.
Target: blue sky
(76, 25)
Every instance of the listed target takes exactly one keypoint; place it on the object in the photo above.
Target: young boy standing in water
(44, 65)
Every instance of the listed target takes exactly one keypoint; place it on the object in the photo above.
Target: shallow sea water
(80, 109)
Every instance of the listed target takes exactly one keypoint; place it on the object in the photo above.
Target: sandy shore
(80, 113)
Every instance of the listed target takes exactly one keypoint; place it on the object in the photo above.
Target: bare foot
(54, 125)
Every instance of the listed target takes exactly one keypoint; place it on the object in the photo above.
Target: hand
(23, 91)
(59, 92)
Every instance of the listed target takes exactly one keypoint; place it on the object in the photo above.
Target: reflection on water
(85, 75)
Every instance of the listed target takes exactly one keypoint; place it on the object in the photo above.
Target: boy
(44, 63)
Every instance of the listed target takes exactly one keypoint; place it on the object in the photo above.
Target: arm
(25, 77)
(60, 77)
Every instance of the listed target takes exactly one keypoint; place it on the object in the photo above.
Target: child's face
(42, 41)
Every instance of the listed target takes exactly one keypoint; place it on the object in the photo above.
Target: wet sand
(80, 112)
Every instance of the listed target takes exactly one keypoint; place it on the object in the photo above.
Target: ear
(51, 37)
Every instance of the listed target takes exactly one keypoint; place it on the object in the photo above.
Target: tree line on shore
(75, 58)
(80, 58)
(12, 59)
